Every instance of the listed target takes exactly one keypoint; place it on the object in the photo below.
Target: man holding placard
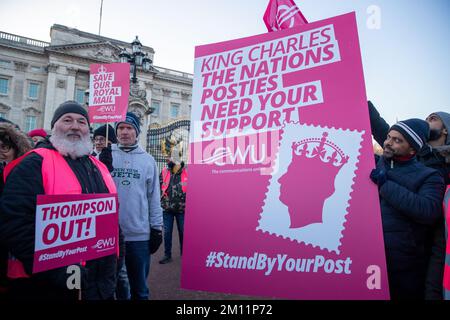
(62, 168)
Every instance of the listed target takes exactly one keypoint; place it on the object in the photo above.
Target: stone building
(36, 76)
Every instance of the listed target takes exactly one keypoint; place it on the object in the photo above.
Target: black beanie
(415, 131)
(101, 131)
(69, 107)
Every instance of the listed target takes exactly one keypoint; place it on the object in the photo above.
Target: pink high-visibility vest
(447, 253)
(54, 166)
(166, 180)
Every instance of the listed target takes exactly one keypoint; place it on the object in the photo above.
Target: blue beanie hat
(133, 120)
(415, 131)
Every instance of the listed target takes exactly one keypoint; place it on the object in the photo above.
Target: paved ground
(164, 279)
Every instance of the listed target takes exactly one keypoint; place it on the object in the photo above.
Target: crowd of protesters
(412, 176)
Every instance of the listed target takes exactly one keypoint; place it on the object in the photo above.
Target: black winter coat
(17, 226)
(411, 203)
(435, 242)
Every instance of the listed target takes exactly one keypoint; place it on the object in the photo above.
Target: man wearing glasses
(100, 139)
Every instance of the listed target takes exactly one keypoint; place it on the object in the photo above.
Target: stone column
(165, 105)
(148, 89)
(19, 93)
(71, 74)
(143, 135)
(138, 104)
(50, 100)
(186, 97)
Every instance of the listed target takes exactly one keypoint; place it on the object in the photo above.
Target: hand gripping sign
(74, 228)
(280, 201)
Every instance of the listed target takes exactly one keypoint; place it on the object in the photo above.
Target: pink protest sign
(280, 202)
(109, 87)
(74, 228)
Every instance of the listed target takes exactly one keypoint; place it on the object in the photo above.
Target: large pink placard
(280, 202)
(74, 228)
(109, 88)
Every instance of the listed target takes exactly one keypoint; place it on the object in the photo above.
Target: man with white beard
(61, 165)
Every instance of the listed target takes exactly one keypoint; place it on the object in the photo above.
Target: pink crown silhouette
(102, 69)
(323, 149)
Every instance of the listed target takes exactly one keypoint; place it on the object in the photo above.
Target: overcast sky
(406, 61)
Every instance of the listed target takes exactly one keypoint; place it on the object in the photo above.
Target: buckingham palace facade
(37, 76)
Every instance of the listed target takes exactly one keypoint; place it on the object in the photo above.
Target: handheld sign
(280, 202)
(109, 88)
(74, 228)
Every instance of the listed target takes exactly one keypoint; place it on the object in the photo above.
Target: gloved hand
(106, 157)
(155, 240)
(378, 176)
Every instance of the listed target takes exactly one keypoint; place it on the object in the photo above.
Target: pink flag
(283, 14)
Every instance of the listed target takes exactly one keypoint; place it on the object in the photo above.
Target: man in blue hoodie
(140, 214)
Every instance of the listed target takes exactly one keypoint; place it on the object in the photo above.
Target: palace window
(33, 90)
(4, 83)
(79, 96)
(30, 123)
(157, 106)
(174, 110)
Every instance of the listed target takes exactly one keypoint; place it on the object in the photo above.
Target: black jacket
(17, 224)
(3, 249)
(411, 203)
(435, 243)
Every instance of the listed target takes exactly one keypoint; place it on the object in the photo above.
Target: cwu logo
(253, 149)
(225, 155)
(105, 244)
(107, 108)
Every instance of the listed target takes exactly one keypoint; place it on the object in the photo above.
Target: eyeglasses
(4, 148)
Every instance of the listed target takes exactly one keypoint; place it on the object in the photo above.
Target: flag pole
(100, 22)
(107, 131)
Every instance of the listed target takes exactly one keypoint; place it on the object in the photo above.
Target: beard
(73, 149)
(435, 134)
(388, 153)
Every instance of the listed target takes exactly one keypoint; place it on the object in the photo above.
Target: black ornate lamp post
(137, 58)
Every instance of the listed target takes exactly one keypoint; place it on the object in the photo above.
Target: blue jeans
(137, 259)
(168, 228)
